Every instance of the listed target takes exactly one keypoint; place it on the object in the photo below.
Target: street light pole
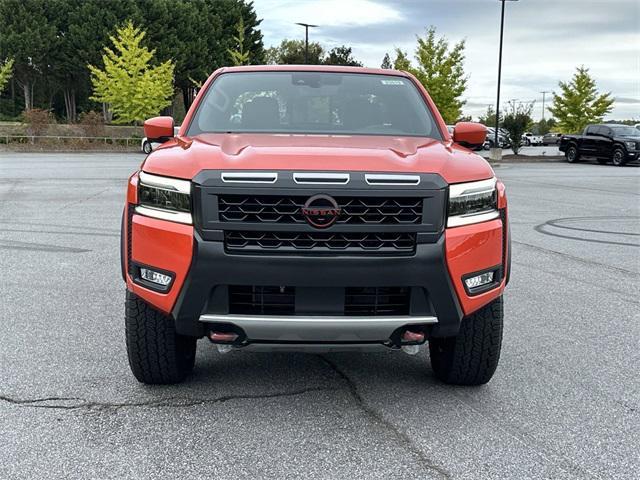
(306, 39)
(544, 97)
(496, 144)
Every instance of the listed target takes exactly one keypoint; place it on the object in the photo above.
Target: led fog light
(155, 277)
(479, 280)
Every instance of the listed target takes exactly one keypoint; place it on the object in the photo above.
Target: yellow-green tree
(134, 89)
(5, 73)
(579, 103)
(440, 68)
(239, 56)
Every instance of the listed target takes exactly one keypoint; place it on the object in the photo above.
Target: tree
(238, 54)
(489, 118)
(292, 52)
(440, 69)
(341, 56)
(5, 73)
(544, 126)
(402, 61)
(77, 43)
(516, 121)
(580, 103)
(386, 62)
(134, 89)
(28, 37)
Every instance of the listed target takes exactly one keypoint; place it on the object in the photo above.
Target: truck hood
(186, 157)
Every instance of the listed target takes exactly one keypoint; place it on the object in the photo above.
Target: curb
(527, 159)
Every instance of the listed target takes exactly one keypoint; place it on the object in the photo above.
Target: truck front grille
(258, 300)
(321, 242)
(377, 301)
(358, 301)
(288, 210)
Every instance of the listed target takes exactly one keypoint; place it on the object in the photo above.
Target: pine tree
(133, 88)
(386, 62)
(5, 73)
(580, 103)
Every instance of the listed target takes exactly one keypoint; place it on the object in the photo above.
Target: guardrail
(33, 139)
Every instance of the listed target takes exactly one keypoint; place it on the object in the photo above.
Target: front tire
(572, 154)
(471, 357)
(619, 157)
(157, 354)
(147, 148)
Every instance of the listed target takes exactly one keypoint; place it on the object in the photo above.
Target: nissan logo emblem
(321, 211)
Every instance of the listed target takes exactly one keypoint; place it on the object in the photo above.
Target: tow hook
(414, 341)
(223, 340)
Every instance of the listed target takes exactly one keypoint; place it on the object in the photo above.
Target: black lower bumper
(213, 268)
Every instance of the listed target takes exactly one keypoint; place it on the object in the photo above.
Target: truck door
(588, 147)
(605, 142)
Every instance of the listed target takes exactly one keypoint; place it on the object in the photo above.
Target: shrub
(517, 121)
(37, 121)
(92, 124)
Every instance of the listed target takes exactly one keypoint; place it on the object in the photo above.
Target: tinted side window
(605, 132)
(592, 130)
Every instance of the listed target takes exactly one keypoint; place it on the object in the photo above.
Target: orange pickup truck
(315, 208)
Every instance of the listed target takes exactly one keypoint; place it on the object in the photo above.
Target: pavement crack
(75, 403)
(377, 417)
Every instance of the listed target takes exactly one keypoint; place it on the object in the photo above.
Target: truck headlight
(630, 145)
(472, 202)
(165, 198)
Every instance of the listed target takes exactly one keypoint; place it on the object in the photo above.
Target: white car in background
(147, 147)
(529, 139)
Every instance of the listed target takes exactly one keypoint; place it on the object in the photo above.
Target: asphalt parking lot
(565, 401)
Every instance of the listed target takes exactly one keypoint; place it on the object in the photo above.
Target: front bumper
(435, 272)
(304, 329)
(204, 272)
(213, 267)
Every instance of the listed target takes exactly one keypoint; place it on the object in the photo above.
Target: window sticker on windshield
(392, 82)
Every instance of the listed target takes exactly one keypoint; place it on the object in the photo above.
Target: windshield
(625, 131)
(314, 103)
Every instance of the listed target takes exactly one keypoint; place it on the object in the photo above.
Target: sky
(544, 41)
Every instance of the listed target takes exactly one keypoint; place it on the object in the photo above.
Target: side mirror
(469, 134)
(159, 129)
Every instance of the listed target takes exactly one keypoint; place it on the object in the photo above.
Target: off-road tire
(572, 154)
(157, 354)
(471, 357)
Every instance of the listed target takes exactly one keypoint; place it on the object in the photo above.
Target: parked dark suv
(619, 144)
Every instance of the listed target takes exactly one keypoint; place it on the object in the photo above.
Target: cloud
(545, 40)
